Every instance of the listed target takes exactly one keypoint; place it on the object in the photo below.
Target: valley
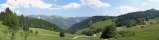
(79, 20)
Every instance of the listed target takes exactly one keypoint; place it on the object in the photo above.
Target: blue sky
(77, 8)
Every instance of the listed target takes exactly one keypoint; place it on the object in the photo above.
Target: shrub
(142, 26)
(36, 32)
(131, 23)
(62, 34)
(109, 32)
(126, 33)
(31, 31)
(88, 33)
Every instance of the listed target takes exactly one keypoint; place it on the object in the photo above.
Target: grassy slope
(42, 35)
(97, 25)
(3, 32)
(94, 26)
(51, 35)
(47, 35)
(149, 32)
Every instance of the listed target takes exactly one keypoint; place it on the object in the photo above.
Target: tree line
(15, 23)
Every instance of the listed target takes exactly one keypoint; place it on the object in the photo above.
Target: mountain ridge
(62, 22)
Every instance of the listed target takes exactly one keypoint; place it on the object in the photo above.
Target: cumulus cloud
(40, 4)
(72, 5)
(13, 4)
(26, 4)
(89, 3)
(95, 3)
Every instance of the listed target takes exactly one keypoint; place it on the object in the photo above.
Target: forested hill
(134, 18)
(148, 14)
(10, 19)
(85, 23)
(39, 23)
(62, 22)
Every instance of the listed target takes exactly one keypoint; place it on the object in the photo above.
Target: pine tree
(36, 32)
(11, 20)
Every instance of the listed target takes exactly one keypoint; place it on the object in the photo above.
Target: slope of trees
(137, 17)
(11, 20)
(85, 23)
(62, 22)
(38, 23)
(15, 22)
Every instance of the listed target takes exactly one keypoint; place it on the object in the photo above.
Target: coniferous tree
(36, 32)
(11, 20)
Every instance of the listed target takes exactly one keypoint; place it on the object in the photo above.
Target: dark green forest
(14, 21)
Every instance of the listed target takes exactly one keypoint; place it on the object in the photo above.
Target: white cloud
(89, 3)
(26, 4)
(126, 9)
(18, 12)
(40, 4)
(13, 4)
(95, 3)
(71, 5)
(123, 10)
(154, 1)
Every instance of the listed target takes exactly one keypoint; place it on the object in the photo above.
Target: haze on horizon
(77, 8)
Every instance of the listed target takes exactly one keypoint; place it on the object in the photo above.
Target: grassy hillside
(142, 32)
(43, 34)
(85, 23)
(14, 22)
(148, 14)
(51, 35)
(98, 25)
(3, 32)
(47, 35)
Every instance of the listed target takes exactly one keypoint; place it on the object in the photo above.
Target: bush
(109, 32)
(126, 33)
(31, 31)
(131, 23)
(88, 33)
(36, 32)
(62, 34)
(142, 26)
(151, 23)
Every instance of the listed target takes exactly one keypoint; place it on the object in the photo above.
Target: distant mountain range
(118, 20)
(62, 22)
